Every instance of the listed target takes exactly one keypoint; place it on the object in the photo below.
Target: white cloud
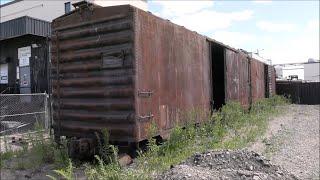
(298, 49)
(206, 21)
(202, 17)
(262, 2)
(276, 27)
(313, 25)
(199, 16)
(234, 39)
(177, 8)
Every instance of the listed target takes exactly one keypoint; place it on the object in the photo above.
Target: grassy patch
(37, 151)
(231, 127)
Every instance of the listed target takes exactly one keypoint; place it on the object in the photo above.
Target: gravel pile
(238, 164)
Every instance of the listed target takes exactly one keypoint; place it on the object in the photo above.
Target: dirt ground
(290, 145)
(292, 141)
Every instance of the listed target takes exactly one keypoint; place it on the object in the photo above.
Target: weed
(5, 156)
(231, 127)
(65, 173)
(106, 151)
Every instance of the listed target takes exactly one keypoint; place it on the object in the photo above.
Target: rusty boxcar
(122, 69)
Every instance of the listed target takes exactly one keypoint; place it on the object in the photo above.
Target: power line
(17, 12)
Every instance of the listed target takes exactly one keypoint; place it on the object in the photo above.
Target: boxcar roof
(132, 7)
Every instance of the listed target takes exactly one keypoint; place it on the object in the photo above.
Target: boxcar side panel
(172, 65)
(237, 77)
(93, 73)
(257, 80)
(244, 80)
(273, 81)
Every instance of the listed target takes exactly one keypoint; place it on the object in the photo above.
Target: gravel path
(292, 141)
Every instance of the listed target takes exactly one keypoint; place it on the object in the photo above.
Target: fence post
(46, 121)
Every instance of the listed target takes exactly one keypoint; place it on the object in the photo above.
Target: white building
(48, 10)
(312, 71)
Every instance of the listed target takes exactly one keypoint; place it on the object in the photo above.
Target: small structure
(24, 55)
(24, 41)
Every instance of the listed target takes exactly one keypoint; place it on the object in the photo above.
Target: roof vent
(82, 5)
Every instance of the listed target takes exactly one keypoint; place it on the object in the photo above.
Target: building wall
(293, 70)
(49, 10)
(312, 72)
(38, 61)
(279, 73)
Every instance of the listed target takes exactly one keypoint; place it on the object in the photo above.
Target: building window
(67, 7)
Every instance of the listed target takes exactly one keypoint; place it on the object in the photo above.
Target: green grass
(37, 151)
(231, 127)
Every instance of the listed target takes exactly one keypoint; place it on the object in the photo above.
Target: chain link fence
(20, 113)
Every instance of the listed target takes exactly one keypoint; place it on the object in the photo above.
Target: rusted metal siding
(271, 80)
(172, 63)
(92, 74)
(257, 80)
(237, 77)
(122, 69)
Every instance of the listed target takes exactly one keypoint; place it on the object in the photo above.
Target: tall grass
(38, 149)
(231, 127)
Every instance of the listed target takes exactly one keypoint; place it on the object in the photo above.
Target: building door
(24, 55)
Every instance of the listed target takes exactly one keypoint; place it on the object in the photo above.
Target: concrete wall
(312, 72)
(50, 9)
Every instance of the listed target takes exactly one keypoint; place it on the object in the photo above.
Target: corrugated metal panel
(237, 77)
(271, 81)
(121, 68)
(244, 80)
(94, 89)
(257, 80)
(300, 92)
(172, 63)
(24, 25)
(310, 93)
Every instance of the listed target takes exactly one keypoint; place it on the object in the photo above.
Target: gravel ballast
(292, 141)
(240, 164)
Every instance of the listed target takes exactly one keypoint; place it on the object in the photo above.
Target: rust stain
(257, 80)
(173, 63)
(237, 77)
(123, 69)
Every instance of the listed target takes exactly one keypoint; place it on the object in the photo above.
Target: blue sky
(287, 31)
(283, 31)
(4, 1)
